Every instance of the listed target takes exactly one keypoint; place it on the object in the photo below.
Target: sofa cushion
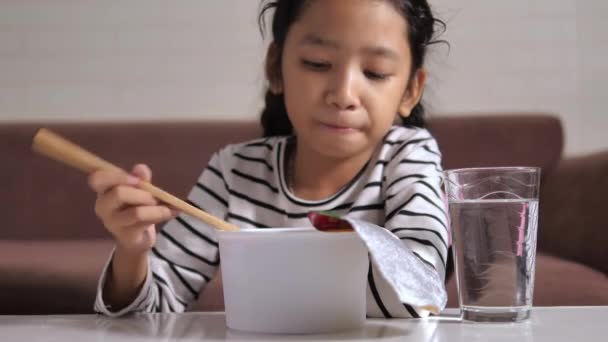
(61, 276)
(558, 282)
(572, 222)
(50, 277)
(68, 272)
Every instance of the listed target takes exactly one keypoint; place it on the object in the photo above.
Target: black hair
(421, 34)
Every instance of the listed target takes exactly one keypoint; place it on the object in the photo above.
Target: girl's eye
(376, 76)
(316, 66)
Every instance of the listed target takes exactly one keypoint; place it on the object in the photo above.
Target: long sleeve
(185, 257)
(399, 189)
(415, 212)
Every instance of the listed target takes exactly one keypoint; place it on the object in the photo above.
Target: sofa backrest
(43, 199)
(499, 140)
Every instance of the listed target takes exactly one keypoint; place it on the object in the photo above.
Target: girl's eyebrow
(313, 39)
(380, 51)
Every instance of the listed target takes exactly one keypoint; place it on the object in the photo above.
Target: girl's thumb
(142, 171)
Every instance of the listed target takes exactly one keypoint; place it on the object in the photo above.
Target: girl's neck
(315, 177)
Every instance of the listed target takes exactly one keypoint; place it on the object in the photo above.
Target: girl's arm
(184, 259)
(125, 277)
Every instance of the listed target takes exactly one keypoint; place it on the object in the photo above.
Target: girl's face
(345, 74)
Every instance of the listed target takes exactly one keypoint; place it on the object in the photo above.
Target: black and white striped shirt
(400, 188)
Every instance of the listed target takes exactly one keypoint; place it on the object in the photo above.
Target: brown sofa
(52, 247)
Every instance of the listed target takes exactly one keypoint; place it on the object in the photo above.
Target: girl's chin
(339, 148)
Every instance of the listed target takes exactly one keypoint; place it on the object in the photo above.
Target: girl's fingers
(141, 216)
(121, 196)
(142, 171)
(103, 180)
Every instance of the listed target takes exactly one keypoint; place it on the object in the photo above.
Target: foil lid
(414, 282)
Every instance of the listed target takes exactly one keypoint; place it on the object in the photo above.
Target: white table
(584, 324)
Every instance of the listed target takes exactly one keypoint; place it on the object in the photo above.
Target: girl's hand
(128, 213)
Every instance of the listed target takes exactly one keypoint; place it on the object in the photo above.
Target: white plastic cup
(293, 280)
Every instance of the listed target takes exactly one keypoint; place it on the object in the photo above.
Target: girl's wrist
(129, 252)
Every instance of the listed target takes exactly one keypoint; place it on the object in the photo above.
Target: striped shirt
(399, 188)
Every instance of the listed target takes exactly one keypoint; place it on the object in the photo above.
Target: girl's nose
(342, 92)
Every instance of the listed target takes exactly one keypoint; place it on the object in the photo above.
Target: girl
(339, 74)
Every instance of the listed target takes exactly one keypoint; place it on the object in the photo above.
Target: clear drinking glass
(494, 216)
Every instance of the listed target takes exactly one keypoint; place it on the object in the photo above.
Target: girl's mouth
(338, 128)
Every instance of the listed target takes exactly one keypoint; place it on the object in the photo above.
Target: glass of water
(494, 216)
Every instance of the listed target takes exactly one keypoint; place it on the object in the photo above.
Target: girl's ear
(413, 94)
(273, 69)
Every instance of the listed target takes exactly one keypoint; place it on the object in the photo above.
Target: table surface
(546, 324)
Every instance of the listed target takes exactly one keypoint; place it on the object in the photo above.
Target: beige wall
(129, 59)
(547, 55)
(149, 59)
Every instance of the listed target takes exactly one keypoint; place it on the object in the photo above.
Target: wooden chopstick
(60, 149)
